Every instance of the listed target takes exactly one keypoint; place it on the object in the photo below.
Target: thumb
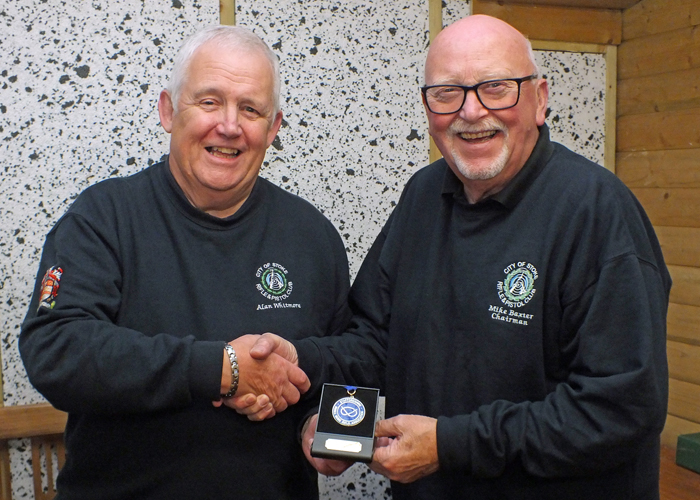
(387, 428)
(269, 343)
(266, 344)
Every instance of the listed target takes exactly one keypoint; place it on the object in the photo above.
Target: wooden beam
(31, 420)
(565, 24)
(684, 400)
(683, 361)
(659, 54)
(686, 286)
(227, 12)
(683, 323)
(657, 16)
(660, 169)
(670, 206)
(674, 427)
(435, 26)
(656, 131)
(680, 245)
(663, 92)
(592, 4)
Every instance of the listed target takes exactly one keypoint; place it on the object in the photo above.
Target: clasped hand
(269, 382)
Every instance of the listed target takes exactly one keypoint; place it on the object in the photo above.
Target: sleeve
(358, 355)
(78, 357)
(613, 399)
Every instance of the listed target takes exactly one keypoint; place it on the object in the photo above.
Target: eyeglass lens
(499, 94)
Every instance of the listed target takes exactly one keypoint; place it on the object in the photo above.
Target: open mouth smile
(223, 152)
(478, 136)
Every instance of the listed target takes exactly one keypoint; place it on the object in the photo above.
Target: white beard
(469, 169)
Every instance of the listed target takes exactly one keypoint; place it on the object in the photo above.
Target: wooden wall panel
(683, 323)
(657, 16)
(664, 168)
(656, 131)
(662, 53)
(680, 245)
(674, 427)
(562, 24)
(683, 360)
(670, 207)
(665, 92)
(684, 400)
(686, 288)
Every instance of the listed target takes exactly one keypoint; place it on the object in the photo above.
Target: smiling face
(485, 148)
(223, 125)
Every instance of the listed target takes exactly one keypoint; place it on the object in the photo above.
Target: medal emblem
(349, 411)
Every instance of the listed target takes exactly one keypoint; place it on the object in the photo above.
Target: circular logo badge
(348, 411)
(274, 281)
(518, 284)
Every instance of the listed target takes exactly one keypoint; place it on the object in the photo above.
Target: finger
(265, 413)
(243, 401)
(280, 404)
(299, 379)
(217, 403)
(259, 403)
(290, 394)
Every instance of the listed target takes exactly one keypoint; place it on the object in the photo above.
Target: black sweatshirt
(531, 324)
(151, 289)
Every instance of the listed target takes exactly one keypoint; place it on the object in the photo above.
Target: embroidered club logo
(518, 287)
(49, 287)
(348, 411)
(273, 281)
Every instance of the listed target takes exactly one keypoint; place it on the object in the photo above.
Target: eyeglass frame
(467, 88)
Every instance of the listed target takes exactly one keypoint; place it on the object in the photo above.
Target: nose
(229, 124)
(472, 110)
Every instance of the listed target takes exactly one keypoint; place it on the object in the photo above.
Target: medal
(349, 411)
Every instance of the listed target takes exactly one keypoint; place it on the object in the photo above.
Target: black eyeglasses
(492, 94)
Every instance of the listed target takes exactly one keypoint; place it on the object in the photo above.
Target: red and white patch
(49, 287)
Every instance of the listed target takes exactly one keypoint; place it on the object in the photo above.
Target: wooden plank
(655, 131)
(656, 16)
(227, 12)
(684, 400)
(660, 169)
(565, 24)
(31, 420)
(680, 245)
(663, 92)
(683, 323)
(611, 94)
(5, 472)
(662, 53)
(434, 27)
(676, 426)
(670, 207)
(686, 286)
(683, 361)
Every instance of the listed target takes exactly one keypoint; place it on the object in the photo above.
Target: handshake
(269, 376)
(270, 380)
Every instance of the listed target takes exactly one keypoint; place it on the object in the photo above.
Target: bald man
(513, 308)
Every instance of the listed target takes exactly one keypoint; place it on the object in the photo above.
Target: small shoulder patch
(49, 287)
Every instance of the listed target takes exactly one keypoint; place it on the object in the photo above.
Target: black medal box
(345, 426)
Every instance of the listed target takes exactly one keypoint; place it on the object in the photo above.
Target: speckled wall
(79, 83)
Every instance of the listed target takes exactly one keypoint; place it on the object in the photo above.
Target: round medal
(348, 411)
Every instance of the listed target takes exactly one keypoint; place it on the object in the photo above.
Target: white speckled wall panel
(576, 114)
(79, 82)
(354, 129)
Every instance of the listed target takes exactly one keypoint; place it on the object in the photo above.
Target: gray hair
(228, 38)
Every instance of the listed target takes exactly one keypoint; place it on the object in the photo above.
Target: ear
(274, 128)
(542, 94)
(166, 111)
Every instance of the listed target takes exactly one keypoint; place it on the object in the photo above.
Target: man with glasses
(513, 308)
